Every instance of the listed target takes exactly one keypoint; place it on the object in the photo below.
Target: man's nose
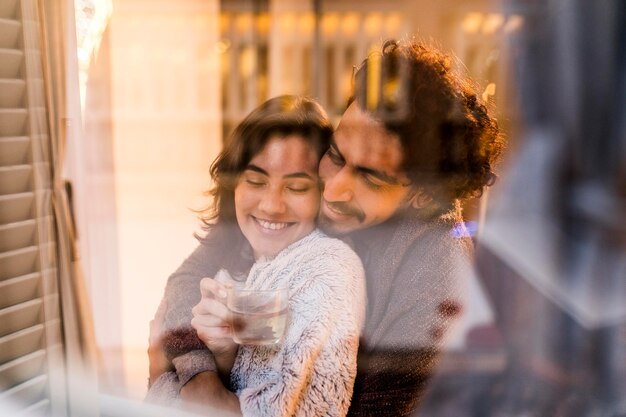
(339, 187)
(272, 201)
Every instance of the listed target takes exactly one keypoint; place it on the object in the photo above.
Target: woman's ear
(418, 199)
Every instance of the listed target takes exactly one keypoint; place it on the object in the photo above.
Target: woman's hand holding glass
(212, 321)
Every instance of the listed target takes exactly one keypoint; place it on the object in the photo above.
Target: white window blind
(31, 350)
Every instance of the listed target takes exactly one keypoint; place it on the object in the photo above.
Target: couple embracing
(357, 224)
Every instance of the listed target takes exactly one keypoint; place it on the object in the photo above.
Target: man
(400, 162)
(412, 143)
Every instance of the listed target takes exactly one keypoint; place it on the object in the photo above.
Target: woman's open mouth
(271, 225)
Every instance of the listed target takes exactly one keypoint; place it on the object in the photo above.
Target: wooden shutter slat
(40, 408)
(21, 316)
(11, 63)
(16, 207)
(31, 395)
(18, 262)
(12, 96)
(31, 338)
(16, 179)
(20, 370)
(19, 290)
(21, 343)
(9, 30)
(13, 122)
(17, 235)
(8, 9)
(14, 150)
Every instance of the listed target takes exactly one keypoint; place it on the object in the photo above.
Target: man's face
(363, 182)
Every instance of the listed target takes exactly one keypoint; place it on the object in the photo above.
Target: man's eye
(373, 182)
(334, 157)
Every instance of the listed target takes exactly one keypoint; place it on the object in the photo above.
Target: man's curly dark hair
(449, 139)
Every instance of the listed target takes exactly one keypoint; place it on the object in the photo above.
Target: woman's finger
(211, 307)
(210, 321)
(210, 288)
(211, 331)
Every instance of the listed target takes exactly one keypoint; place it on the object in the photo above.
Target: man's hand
(201, 388)
(158, 362)
(205, 393)
(211, 319)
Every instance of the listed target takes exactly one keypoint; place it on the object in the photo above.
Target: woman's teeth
(272, 225)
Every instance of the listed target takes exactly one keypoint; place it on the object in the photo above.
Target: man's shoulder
(414, 234)
(410, 246)
(438, 243)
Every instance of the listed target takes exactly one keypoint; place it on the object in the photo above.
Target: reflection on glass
(162, 85)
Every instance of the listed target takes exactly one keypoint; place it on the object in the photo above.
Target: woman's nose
(339, 187)
(272, 201)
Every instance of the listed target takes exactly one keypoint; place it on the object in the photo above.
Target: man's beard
(333, 228)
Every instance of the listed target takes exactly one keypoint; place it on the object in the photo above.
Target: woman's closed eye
(254, 180)
(255, 183)
(300, 187)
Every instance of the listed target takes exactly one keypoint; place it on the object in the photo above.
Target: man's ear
(419, 199)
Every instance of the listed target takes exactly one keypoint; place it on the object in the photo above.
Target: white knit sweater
(311, 372)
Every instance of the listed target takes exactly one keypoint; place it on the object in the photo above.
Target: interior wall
(153, 133)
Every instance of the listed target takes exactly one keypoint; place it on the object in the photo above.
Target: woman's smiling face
(277, 196)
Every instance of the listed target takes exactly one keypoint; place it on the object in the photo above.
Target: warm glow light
(92, 18)
(513, 23)
(222, 46)
(346, 84)
(493, 22)
(243, 22)
(287, 22)
(224, 22)
(490, 90)
(204, 21)
(350, 24)
(472, 22)
(246, 62)
(306, 23)
(83, 57)
(373, 79)
(263, 23)
(373, 24)
(393, 22)
(330, 23)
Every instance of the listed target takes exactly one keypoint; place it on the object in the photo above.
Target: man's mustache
(346, 210)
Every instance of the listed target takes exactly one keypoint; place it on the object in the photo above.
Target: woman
(263, 224)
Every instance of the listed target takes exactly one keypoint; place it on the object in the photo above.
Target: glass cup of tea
(258, 317)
